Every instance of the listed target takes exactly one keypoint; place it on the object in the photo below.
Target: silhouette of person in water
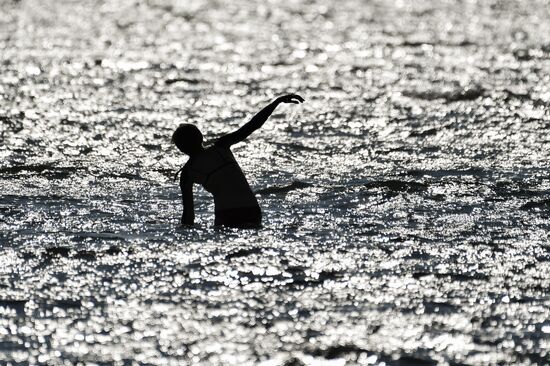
(215, 168)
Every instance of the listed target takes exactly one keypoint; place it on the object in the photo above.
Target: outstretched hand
(291, 98)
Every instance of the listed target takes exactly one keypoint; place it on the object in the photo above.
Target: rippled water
(406, 203)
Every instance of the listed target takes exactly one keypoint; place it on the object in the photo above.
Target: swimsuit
(216, 169)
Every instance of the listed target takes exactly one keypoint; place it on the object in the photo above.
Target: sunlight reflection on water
(406, 203)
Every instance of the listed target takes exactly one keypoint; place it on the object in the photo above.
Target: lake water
(406, 203)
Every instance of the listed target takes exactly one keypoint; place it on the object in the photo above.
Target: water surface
(406, 203)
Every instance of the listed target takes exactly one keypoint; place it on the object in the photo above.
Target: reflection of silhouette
(216, 169)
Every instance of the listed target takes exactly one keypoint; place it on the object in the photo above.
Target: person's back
(216, 169)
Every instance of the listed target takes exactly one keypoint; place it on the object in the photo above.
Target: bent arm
(257, 121)
(188, 217)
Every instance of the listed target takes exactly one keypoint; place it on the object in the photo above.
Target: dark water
(406, 203)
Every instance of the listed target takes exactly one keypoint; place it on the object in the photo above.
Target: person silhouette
(215, 168)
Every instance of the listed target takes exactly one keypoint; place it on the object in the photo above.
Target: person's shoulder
(223, 142)
(216, 146)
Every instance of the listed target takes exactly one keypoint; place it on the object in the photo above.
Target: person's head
(187, 138)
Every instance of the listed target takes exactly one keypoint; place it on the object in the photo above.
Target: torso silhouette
(216, 169)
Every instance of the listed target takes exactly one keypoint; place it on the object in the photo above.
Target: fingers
(295, 98)
(299, 98)
(292, 98)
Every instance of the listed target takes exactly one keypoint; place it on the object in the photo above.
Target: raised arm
(188, 217)
(257, 121)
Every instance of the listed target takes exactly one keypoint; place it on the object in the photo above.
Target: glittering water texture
(406, 203)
